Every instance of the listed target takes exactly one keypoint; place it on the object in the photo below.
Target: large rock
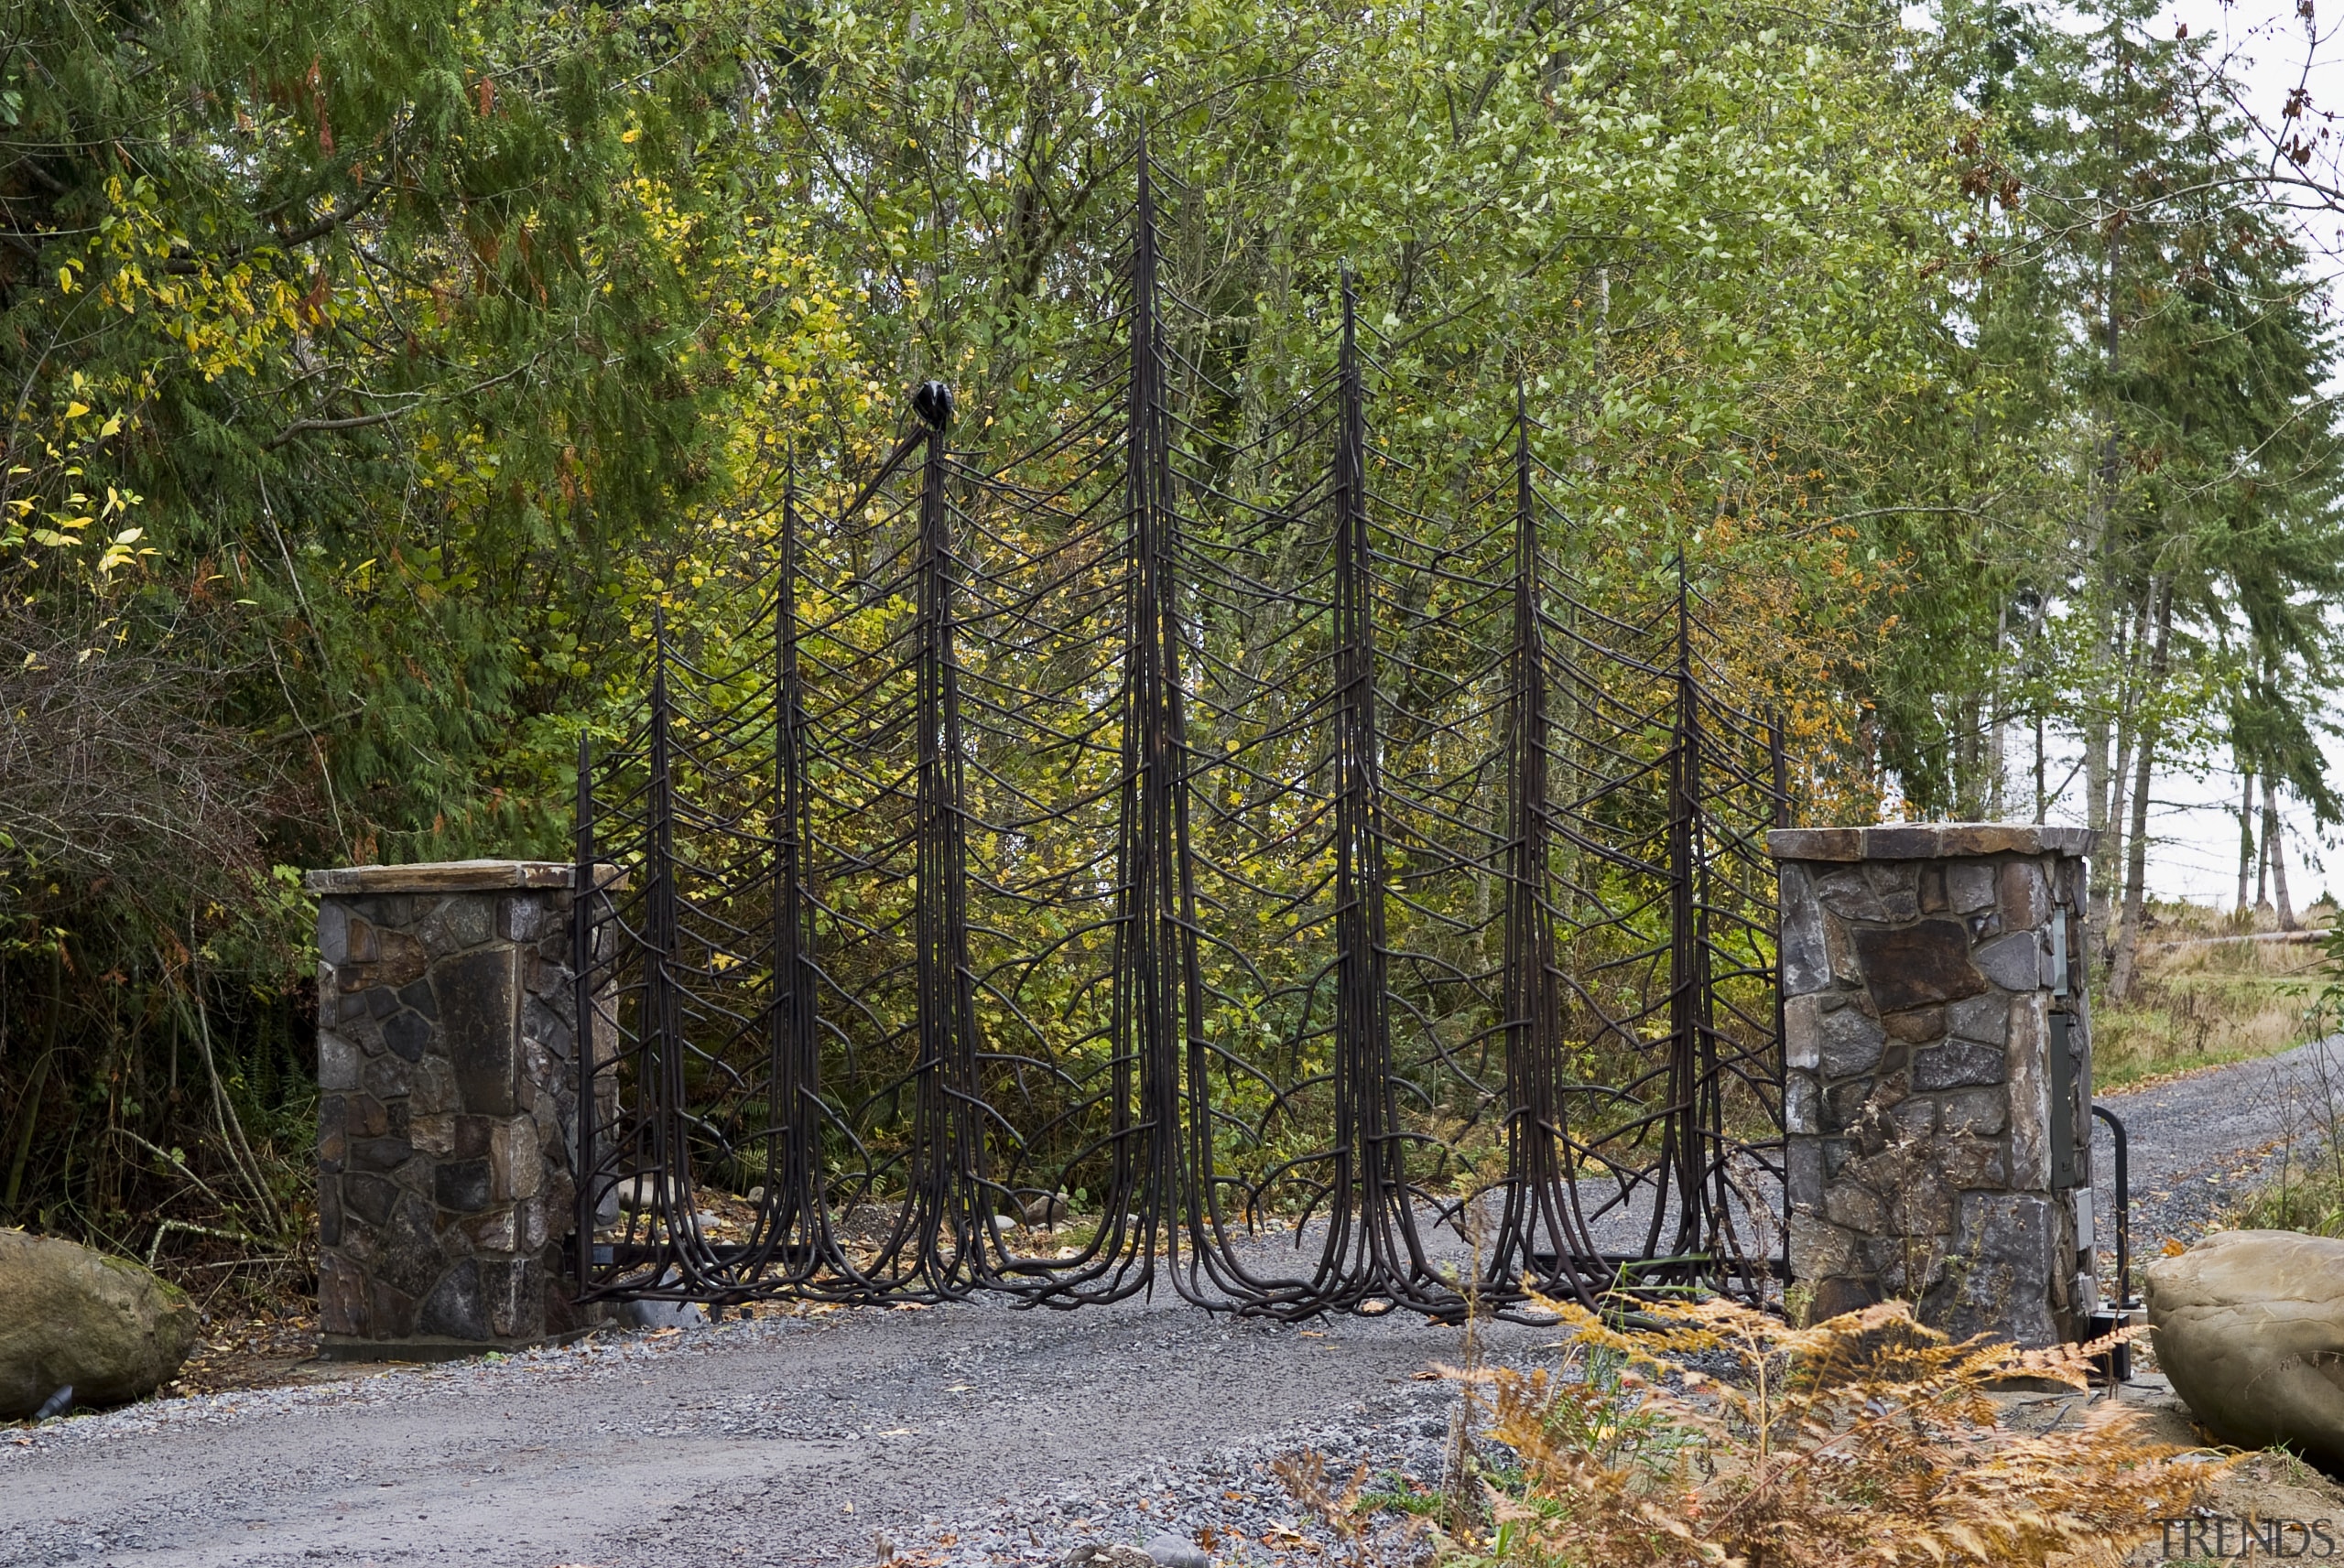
(2250, 1326)
(106, 1326)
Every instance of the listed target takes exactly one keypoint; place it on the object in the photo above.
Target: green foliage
(381, 371)
(372, 364)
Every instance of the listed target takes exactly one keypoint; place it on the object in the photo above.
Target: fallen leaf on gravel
(1425, 1377)
(911, 1307)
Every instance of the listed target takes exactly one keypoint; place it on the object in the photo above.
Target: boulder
(2249, 1327)
(663, 1314)
(1038, 1212)
(103, 1325)
(637, 1193)
(1169, 1550)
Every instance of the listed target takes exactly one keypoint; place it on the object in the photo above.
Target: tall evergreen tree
(2152, 470)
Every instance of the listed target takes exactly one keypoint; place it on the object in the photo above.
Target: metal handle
(2125, 1299)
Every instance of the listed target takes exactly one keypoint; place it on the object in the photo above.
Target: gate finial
(933, 403)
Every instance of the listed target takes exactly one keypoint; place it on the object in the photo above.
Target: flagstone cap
(442, 876)
(1926, 841)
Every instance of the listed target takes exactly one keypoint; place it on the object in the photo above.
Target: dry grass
(2210, 991)
(2306, 1191)
(1866, 1440)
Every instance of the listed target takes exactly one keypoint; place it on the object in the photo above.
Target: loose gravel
(962, 1435)
(785, 1441)
(2201, 1142)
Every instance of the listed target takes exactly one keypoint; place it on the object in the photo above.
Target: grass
(2306, 1192)
(2308, 1195)
(2208, 994)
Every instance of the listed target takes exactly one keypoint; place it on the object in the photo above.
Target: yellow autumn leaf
(76, 409)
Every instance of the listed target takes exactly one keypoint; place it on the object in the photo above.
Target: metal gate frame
(745, 957)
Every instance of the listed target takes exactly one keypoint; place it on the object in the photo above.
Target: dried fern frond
(1866, 1439)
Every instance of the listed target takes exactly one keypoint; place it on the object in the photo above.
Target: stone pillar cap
(442, 876)
(1925, 841)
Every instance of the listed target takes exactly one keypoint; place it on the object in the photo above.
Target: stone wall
(447, 1100)
(1937, 1073)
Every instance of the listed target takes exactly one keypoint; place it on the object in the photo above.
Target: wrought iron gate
(1313, 874)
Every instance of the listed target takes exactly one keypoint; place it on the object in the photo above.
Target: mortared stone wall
(446, 1013)
(1937, 1077)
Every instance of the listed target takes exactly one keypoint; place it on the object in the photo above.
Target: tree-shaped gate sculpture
(1279, 853)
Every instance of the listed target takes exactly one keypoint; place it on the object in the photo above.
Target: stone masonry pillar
(447, 1094)
(1937, 1073)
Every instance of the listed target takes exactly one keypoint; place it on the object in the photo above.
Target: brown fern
(1868, 1439)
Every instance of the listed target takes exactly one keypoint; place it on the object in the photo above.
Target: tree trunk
(2042, 801)
(2106, 882)
(2274, 851)
(2262, 873)
(2096, 818)
(1994, 806)
(2122, 967)
(2245, 840)
(2108, 821)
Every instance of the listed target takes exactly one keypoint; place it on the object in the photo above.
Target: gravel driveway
(2199, 1142)
(964, 1434)
(782, 1441)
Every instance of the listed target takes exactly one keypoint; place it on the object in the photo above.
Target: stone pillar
(447, 1097)
(1937, 1077)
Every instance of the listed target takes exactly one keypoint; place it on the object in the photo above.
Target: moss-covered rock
(104, 1325)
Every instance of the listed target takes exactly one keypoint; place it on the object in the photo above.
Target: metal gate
(1196, 849)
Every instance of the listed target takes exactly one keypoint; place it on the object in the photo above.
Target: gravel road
(781, 1441)
(967, 1433)
(2199, 1142)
